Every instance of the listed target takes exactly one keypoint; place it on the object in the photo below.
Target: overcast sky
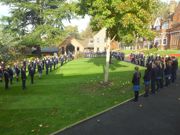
(81, 23)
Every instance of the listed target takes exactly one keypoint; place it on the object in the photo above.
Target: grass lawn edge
(92, 116)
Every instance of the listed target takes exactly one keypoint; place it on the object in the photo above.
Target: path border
(92, 116)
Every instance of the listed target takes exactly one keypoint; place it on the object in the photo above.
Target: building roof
(71, 40)
(49, 50)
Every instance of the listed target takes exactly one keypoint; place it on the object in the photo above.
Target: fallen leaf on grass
(98, 120)
(46, 126)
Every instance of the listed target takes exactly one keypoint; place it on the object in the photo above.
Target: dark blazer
(136, 78)
(147, 75)
(23, 73)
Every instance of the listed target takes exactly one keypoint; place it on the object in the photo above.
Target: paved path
(156, 115)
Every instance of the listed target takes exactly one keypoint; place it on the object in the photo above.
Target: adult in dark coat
(23, 77)
(6, 78)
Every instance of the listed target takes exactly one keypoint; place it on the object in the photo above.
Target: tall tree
(8, 49)
(125, 20)
(37, 18)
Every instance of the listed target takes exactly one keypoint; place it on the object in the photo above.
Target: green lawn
(64, 97)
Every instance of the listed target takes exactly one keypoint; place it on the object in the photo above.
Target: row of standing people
(160, 72)
(8, 73)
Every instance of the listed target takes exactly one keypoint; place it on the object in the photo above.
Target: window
(164, 41)
(165, 25)
(98, 40)
(98, 49)
(91, 41)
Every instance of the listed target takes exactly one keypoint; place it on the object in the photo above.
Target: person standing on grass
(136, 83)
(32, 72)
(147, 80)
(47, 67)
(6, 78)
(40, 69)
(17, 72)
(1, 74)
(11, 73)
(23, 77)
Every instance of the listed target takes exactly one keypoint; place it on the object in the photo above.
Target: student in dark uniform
(136, 83)
(62, 60)
(174, 69)
(167, 73)
(159, 77)
(32, 71)
(54, 63)
(17, 72)
(23, 77)
(47, 67)
(153, 78)
(24, 64)
(1, 74)
(29, 67)
(11, 73)
(6, 78)
(40, 69)
(147, 80)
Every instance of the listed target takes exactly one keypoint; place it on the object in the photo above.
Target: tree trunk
(106, 73)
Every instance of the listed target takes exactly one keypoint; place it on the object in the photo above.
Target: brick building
(168, 31)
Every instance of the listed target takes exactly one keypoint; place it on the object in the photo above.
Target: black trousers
(153, 86)
(46, 71)
(159, 83)
(167, 81)
(136, 95)
(6, 84)
(17, 78)
(23, 84)
(11, 80)
(147, 89)
(173, 76)
(32, 79)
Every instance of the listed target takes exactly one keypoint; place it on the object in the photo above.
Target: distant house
(168, 30)
(98, 42)
(71, 45)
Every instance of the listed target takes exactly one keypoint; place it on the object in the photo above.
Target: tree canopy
(126, 19)
(33, 19)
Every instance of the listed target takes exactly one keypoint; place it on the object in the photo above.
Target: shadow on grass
(102, 62)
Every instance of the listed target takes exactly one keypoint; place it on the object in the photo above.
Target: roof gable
(157, 22)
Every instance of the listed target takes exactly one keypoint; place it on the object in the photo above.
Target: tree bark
(106, 74)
